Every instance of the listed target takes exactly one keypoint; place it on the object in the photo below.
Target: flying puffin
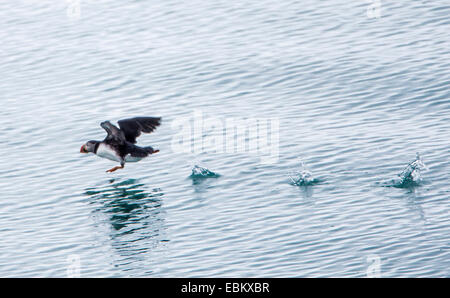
(119, 144)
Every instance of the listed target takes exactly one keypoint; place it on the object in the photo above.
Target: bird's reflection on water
(134, 217)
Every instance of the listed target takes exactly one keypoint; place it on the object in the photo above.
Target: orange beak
(83, 149)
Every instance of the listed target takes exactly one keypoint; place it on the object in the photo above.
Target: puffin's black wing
(132, 128)
(113, 132)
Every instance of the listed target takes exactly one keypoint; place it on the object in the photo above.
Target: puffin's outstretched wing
(113, 132)
(133, 127)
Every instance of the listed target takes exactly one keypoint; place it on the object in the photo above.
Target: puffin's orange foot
(114, 169)
(156, 151)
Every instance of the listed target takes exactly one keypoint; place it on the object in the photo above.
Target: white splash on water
(198, 172)
(303, 176)
(412, 172)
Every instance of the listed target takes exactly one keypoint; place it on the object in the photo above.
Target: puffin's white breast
(105, 151)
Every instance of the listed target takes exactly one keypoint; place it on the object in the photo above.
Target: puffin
(119, 144)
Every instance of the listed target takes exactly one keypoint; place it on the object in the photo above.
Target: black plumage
(132, 128)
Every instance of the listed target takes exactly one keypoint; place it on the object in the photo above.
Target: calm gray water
(356, 97)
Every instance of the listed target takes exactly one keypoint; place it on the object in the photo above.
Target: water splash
(411, 175)
(200, 173)
(303, 176)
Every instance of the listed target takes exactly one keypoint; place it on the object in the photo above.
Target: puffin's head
(88, 147)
